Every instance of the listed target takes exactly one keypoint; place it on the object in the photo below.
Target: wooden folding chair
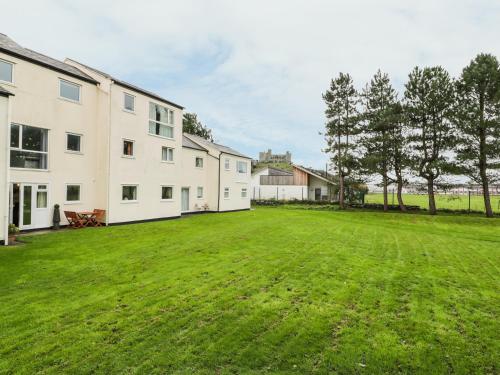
(74, 221)
(98, 219)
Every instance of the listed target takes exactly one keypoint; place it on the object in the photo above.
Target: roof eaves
(82, 77)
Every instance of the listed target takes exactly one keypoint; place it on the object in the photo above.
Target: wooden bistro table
(87, 216)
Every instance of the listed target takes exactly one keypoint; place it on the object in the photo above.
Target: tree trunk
(402, 206)
(341, 191)
(482, 172)
(432, 201)
(384, 182)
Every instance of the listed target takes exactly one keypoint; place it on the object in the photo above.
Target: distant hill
(284, 166)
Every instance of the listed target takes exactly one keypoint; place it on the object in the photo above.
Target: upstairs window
(199, 162)
(128, 148)
(69, 90)
(241, 166)
(128, 102)
(159, 121)
(6, 70)
(28, 147)
(73, 142)
(226, 164)
(167, 154)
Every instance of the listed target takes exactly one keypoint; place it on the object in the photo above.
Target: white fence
(282, 192)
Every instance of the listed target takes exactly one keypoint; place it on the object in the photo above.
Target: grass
(267, 291)
(443, 201)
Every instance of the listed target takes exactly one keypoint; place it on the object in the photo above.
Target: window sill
(29, 169)
(167, 162)
(128, 111)
(128, 157)
(200, 199)
(72, 202)
(199, 167)
(73, 152)
(11, 84)
(160, 136)
(70, 100)
(167, 200)
(129, 202)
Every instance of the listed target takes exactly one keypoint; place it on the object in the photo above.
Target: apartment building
(80, 138)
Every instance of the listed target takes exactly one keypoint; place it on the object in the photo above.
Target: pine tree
(429, 99)
(379, 98)
(478, 123)
(342, 125)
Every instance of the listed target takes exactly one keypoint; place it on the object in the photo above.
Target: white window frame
(198, 196)
(161, 123)
(136, 194)
(227, 164)
(196, 160)
(244, 190)
(19, 147)
(125, 94)
(226, 190)
(79, 201)
(71, 84)
(45, 190)
(81, 143)
(171, 119)
(11, 72)
(238, 163)
(173, 152)
(133, 148)
(161, 193)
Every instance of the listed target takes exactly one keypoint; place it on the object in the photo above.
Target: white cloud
(254, 71)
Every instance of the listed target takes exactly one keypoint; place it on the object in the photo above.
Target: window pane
(128, 148)
(34, 139)
(167, 192)
(166, 131)
(200, 192)
(242, 167)
(72, 193)
(129, 193)
(129, 102)
(226, 192)
(199, 162)
(226, 164)
(167, 154)
(41, 199)
(69, 91)
(158, 113)
(171, 117)
(73, 142)
(26, 159)
(5, 71)
(27, 205)
(243, 193)
(14, 135)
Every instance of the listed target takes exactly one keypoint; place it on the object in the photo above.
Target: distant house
(299, 184)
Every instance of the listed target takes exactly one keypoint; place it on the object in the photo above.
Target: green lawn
(266, 291)
(447, 201)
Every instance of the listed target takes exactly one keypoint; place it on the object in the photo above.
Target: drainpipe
(218, 185)
(108, 145)
(7, 174)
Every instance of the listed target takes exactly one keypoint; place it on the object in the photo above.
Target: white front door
(30, 206)
(184, 199)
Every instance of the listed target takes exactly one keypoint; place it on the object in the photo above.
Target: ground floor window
(167, 192)
(244, 192)
(199, 192)
(129, 192)
(73, 193)
(73, 142)
(226, 193)
(41, 196)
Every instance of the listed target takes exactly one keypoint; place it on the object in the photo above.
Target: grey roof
(131, 86)
(279, 172)
(4, 92)
(224, 149)
(10, 47)
(186, 142)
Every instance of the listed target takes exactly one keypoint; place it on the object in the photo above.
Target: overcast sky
(254, 71)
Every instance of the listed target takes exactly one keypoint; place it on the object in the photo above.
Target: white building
(298, 184)
(77, 137)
